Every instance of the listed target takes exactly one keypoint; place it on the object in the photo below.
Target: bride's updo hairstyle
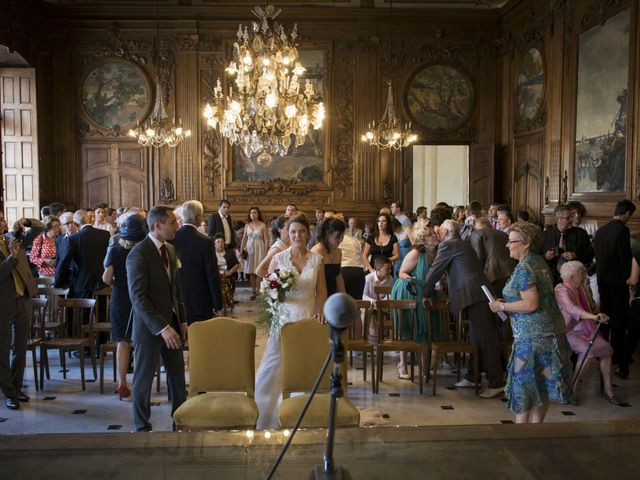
(300, 218)
(328, 227)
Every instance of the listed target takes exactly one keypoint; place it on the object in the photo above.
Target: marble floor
(63, 408)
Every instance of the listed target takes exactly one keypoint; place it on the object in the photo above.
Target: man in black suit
(563, 243)
(220, 222)
(613, 267)
(16, 286)
(199, 271)
(158, 319)
(86, 250)
(457, 259)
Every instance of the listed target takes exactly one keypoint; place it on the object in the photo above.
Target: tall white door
(19, 144)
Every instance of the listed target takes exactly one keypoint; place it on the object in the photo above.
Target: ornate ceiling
(421, 4)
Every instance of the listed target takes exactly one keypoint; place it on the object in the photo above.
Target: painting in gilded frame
(304, 163)
(601, 106)
(115, 94)
(439, 97)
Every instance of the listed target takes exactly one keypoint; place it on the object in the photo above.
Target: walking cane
(584, 359)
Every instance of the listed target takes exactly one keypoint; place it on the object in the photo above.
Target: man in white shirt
(396, 211)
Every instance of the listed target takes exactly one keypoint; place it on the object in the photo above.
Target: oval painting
(530, 84)
(115, 94)
(440, 97)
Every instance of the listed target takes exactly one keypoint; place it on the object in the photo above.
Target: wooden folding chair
(36, 311)
(362, 343)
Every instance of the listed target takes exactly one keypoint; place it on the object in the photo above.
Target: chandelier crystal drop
(267, 108)
(389, 133)
(159, 131)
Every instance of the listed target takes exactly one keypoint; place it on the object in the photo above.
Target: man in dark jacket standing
(198, 271)
(613, 266)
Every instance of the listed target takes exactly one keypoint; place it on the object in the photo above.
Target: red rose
(277, 270)
(274, 284)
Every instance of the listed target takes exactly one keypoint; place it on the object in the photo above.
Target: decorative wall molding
(86, 130)
(344, 84)
(167, 191)
(565, 187)
(546, 190)
(115, 46)
(598, 12)
(212, 150)
(278, 186)
(523, 126)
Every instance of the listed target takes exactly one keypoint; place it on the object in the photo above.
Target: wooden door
(481, 173)
(527, 178)
(115, 173)
(19, 144)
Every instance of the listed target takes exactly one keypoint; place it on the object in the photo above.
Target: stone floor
(63, 408)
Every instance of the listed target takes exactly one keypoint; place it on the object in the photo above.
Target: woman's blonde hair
(530, 233)
(419, 232)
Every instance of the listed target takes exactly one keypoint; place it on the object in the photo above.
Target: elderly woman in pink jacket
(581, 325)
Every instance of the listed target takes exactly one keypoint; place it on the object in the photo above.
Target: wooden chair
(221, 377)
(44, 282)
(77, 341)
(396, 343)
(361, 343)
(37, 310)
(53, 324)
(304, 350)
(102, 324)
(442, 347)
(105, 348)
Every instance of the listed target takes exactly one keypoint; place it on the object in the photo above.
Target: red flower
(277, 270)
(274, 284)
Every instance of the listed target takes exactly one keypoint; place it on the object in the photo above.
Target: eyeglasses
(564, 218)
(511, 242)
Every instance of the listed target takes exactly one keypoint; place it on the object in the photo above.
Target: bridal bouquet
(273, 291)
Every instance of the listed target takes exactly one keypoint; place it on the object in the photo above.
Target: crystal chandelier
(389, 132)
(158, 131)
(266, 104)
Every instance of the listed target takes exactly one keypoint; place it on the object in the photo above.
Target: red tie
(165, 255)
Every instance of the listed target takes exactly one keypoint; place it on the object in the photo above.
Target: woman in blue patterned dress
(539, 369)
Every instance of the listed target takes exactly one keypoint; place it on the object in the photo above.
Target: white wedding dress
(297, 305)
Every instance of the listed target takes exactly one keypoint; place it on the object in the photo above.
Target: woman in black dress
(330, 234)
(134, 230)
(383, 243)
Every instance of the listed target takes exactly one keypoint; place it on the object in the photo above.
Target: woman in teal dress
(409, 287)
(539, 369)
(404, 243)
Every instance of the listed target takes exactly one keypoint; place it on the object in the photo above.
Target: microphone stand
(329, 470)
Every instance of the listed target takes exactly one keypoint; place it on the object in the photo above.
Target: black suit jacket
(215, 227)
(459, 261)
(86, 249)
(612, 245)
(576, 241)
(199, 273)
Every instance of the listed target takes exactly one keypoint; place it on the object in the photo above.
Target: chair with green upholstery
(221, 377)
(305, 346)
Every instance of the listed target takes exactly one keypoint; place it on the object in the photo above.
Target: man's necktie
(165, 256)
(562, 244)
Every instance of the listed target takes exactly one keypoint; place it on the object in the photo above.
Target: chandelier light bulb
(286, 60)
(290, 111)
(271, 100)
(150, 132)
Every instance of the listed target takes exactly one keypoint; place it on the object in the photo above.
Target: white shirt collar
(156, 242)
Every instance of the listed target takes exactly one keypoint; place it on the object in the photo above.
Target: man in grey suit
(491, 247)
(16, 286)
(457, 259)
(157, 317)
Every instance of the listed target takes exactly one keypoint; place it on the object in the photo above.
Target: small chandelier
(267, 105)
(158, 130)
(389, 133)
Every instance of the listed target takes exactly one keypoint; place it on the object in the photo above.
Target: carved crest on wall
(115, 46)
(212, 149)
(343, 168)
(278, 186)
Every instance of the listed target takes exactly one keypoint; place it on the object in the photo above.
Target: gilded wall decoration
(343, 168)
(212, 150)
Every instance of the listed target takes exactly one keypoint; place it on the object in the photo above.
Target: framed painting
(601, 106)
(304, 163)
(115, 94)
(439, 97)
(530, 85)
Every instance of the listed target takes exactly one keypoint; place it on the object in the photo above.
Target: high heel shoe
(612, 399)
(123, 391)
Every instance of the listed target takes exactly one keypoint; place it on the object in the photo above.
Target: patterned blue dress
(540, 366)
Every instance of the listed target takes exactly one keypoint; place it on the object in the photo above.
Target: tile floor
(63, 408)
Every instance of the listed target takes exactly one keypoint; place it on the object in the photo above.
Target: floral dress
(540, 366)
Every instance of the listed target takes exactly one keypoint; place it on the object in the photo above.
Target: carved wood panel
(528, 174)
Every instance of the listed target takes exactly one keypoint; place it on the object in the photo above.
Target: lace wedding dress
(298, 305)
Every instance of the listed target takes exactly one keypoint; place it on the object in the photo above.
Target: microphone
(340, 311)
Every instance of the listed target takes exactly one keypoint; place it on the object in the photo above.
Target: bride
(305, 301)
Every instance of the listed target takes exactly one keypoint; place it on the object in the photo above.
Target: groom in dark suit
(458, 260)
(199, 275)
(158, 318)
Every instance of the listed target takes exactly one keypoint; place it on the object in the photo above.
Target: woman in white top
(100, 221)
(306, 300)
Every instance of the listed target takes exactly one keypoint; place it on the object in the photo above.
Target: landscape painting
(530, 84)
(601, 111)
(115, 94)
(304, 163)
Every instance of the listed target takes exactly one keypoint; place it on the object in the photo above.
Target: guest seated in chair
(228, 266)
(581, 326)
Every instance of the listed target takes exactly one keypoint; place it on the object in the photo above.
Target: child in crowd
(368, 231)
(380, 277)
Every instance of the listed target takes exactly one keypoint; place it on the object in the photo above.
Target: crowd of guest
(565, 288)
